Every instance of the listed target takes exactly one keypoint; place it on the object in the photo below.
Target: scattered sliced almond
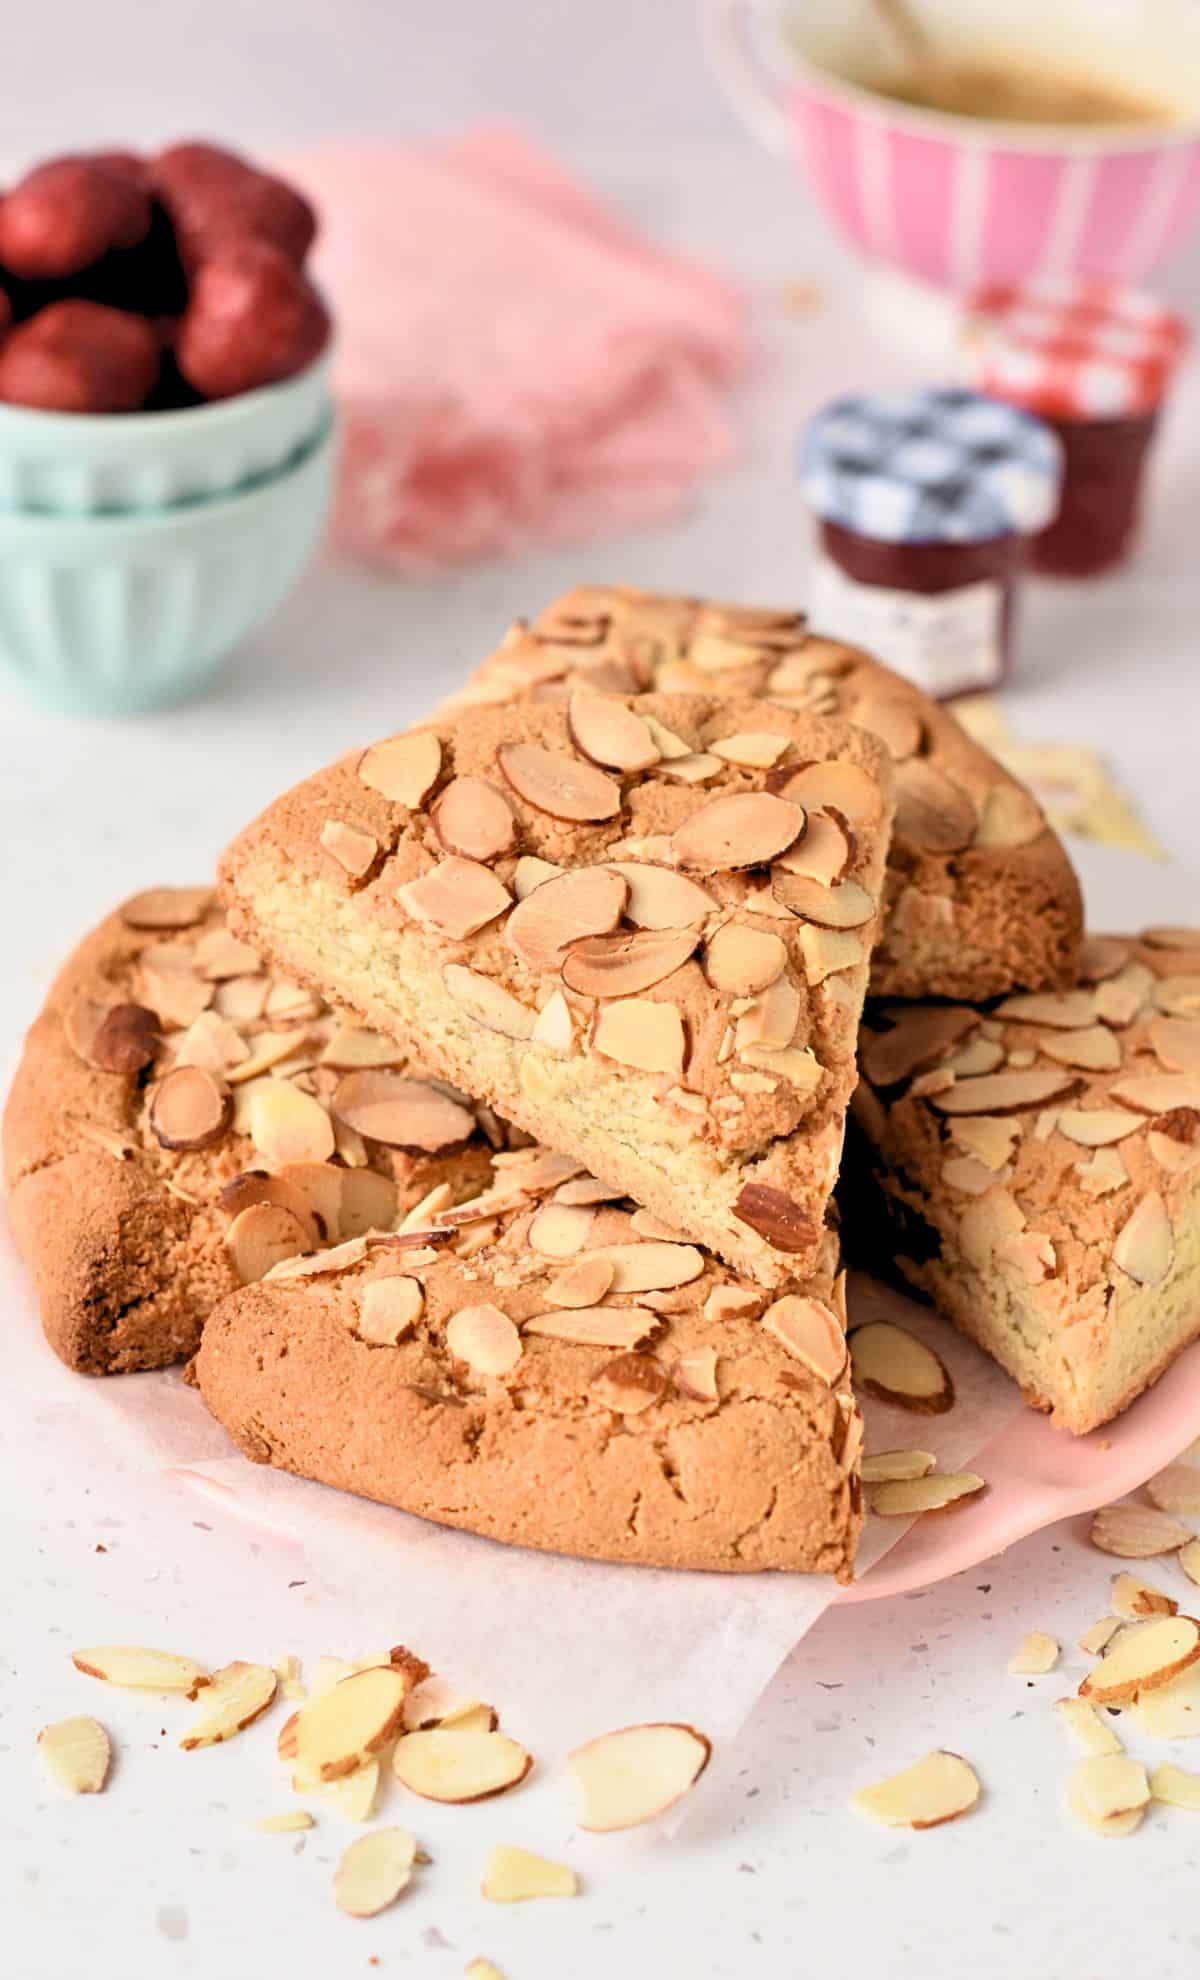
(626, 1778)
(1133, 1599)
(473, 819)
(1035, 1655)
(1093, 1048)
(401, 1113)
(894, 719)
(167, 907)
(136, 1669)
(588, 901)
(811, 1332)
(583, 1284)
(367, 1201)
(741, 961)
(1109, 1792)
(1097, 1127)
(839, 787)
(907, 1497)
(287, 1125)
(262, 1236)
(354, 850)
(511, 1875)
(352, 1798)
(485, 1338)
(373, 1872)
(647, 1036)
(388, 1309)
(530, 872)
(189, 1109)
(1144, 1247)
(286, 1823)
(695, 1374)
(1170, 1711)
(894, 1365)
(823, 853)
(1098, 1634)
(610, 734)
(213, 1043)
(559, 1230)
(554, 1027)
(238, 1694)
(652, 1265)
(748, 828)
(630, 1384)
(751, 749)
(404, 769)
(895, 1467)
(449, 1764)
(846, 906)
(1175, 1787)
(937, 1789)
(558, 784)
(1136, 1533)
(624, 963)
(482, 1969)
(1177, 1489)
(697, 767)
(457, 897)
(828, 950)
(597, 1326)
(1007, 1092)
(1091, 1733)
(1142, 1658)
(919, 1038)
(489, 1003)
(659, 898)
(354, 1049)
(77, 1753)
(336, 1733)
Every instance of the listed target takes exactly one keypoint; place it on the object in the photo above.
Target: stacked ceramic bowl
(136, 551)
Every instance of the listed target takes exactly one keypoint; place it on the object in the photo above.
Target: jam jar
(1094, 359)
(925, 502)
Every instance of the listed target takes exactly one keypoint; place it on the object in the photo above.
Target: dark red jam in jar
(925, 502)
(1094, 359)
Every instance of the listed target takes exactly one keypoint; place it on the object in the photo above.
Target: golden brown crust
(1000, 910)
(125, 1239)
(725, 1112)
(738, 1458)
(1044, 1189)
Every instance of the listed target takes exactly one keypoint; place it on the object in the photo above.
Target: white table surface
(161, 1876)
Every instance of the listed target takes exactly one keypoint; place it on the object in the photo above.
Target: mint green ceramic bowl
(109, 614)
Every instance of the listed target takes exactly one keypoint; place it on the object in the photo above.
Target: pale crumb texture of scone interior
(551, 1366)
(641, 932)
(981, 895)
(1034, 1167)
(181, 1119)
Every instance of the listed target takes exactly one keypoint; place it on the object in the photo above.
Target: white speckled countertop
(162, 1876)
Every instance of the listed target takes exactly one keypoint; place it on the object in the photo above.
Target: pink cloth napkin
(513, 364)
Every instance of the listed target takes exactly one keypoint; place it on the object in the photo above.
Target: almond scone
(549, 1367)
(981, 897)
(1034, 1167)
(639, 929)
(181, 1119)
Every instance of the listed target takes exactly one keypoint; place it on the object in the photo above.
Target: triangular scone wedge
(658, 968)
(550, 1371)
(1034, 1167)
(983, 898)
(171, 1131)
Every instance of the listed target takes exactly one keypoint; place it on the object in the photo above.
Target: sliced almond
(810, 1332)
(1011, 816)
(489, 1003)
(77, 1753)
(583, 1284)
(287, 1822)
(448, 1764)
(1176, 1043)
(167, 907)
(730, 1302)
(1036, 1654)
(1133, 1599)
(1176, 1489)
(920, 1037)
(776, 1216)
(748, 828)
(741, 961)
(238, 1694)
(894, 1365)
(401, 1113)
(659, 898)
(1004, 1092)
(652, 1266)
(189, 1109)
(697, 767)
(336, 1733)
(529, 873)
(267, 1050)
(1172, 936)
(287, 1125)
(630, 1384)
(1175, 1787)
(622, 964)
(354, 1049)
(554, 1026)
(485, 1338)
(1144, 1247)
(845, 906)
(772, 1018)
(1060, 1010)
(597, 1326)
(213, 1043)
(473, 819)
(481, 1969)
(1094, 1048)
(1189, 1560)
(626, 1778)
(1098, 1634)
(388, 1309)
(588, 901)
(1157, 1093)
(823, 853)
(696, 1374)
(1179, 996)
(367, 1202)
(937, 1789)
(177, 995)
(457, 897)
(373, 1872)
(751, 749)
(559, 1230)
(404, 769)
(610, 734)
(894, 719)
(840, 787)
(1142, 1658)
(647, 1036)
(1107, 1786)
(136, 1669)
(1097, 1127)
(1087, 1729)
(353, 1797)
(907, 1497)
(1170, 1711)
(1136, 1533)
(931, 810)
(828, 950)
(262, 1236)
(355, 851)
(511, 1875)
(328, 1263)
(558, 784)
(895, 1467)
(220, 956)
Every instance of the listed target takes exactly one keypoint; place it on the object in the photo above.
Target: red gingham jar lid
(1073, 346)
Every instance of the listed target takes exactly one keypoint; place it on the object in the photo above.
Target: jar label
(942, 641)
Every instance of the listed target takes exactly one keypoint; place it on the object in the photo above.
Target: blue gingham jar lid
(940, 465)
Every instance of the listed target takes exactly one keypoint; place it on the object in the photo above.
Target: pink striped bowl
(954, 203)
